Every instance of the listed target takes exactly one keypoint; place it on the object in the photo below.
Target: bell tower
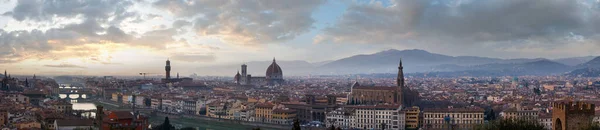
(400, 82)
(168, 70)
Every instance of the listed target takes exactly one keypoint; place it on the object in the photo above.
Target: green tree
(166, 125)
(594, 126)
(537, 91)
(188, 128)
(332, 127)
(490, 115)
(296, 124)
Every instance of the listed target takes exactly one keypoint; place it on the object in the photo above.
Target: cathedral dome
(237, 77)
(274, 71)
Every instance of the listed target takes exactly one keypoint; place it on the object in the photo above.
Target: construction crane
(144, 74)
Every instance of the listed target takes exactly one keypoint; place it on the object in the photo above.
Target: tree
(296, 124)
(257, 128)
(537, 91)
(166, 125)
(511, 124)
(188, 128)
(332, 127)
(594, 126)
(338, 128)
(490, 115)
(383, 126)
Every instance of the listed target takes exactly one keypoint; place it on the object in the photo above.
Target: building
(341, 117)
(263, 112)
(284, 116)
(27, 125)
(216, 109)
(313, 109)
(546, 120)
(412, 117)
(168, 78)
(378, 116)
(455, 118)
(74, 124)
(273, 76)
(371, 95)
(189, 107)
(3, 118)
(18, 98)
(522, 114)
(390, 117)
(124, 120)
(572, 116)
(61, 106)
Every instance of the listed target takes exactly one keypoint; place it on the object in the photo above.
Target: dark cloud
(48, 10)
(497, 23)
(246, 21)
(65, 65)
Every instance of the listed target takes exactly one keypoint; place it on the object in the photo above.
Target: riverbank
(202, 124)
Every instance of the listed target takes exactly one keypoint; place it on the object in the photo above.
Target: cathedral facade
(372, 95)
(273, 76)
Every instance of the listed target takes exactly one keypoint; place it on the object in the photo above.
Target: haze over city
(124, 37)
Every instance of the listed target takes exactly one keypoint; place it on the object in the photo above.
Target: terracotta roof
(273, 69)
(123, 114)
(284, 111)
(375, 88)
(77, 122)
(265, 105)
(375, 106)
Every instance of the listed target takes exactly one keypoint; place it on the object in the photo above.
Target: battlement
(574, 107)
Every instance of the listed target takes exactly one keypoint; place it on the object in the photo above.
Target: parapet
(574, 107)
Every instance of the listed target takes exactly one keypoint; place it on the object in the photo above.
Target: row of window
(453, 115)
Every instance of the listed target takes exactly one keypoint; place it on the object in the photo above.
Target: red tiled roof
(123, 114)
(375, 88)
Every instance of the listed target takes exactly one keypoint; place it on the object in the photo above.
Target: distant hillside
(594, 63)
(573, 61)
(585, 72)
(413, 61)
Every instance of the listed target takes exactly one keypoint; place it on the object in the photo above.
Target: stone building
(371, 95)
(273, 76)
(572, 115)
(452, 118)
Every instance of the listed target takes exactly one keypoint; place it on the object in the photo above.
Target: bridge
(80, 92)
(89, 113)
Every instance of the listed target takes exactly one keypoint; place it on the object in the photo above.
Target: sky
(124, 37)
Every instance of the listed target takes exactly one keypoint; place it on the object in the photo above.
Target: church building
(273, 76)
(373, 95)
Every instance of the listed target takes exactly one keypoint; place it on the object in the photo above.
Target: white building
(546, 120)
(367, 117)
(457, 118)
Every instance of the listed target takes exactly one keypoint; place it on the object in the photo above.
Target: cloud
(466, 23)
(246, 21)
(194, 57)
(65, 65)
(48, 10)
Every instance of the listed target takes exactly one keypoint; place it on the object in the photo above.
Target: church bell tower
(168, 69)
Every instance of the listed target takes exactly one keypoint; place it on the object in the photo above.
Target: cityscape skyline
(70, 37)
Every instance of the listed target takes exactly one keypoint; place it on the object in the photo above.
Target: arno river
(179, 122)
